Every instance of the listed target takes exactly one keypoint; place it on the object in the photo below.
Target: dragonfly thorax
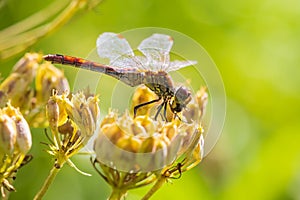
(160, 83)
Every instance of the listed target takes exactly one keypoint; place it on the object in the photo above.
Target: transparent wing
(137, 62)
(177, 64)
(116, 48)
(156, 48)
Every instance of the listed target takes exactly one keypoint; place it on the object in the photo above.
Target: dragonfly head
(181, 98)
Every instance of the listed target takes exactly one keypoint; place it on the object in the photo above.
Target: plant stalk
(160, 181)
(54, 171)
(117, 194)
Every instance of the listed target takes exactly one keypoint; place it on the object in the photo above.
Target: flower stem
(47, 183)
(160, 181)
(117, 194)
(16, 43)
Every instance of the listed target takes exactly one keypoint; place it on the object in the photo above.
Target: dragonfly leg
(176, 115)
(165, 110)
(144, 104)
(158, 110)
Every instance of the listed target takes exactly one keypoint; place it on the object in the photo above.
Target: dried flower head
(137, 145)
(15, 142)
(18, 87)
(196, 109)
(73, 119)
(132, 152)
(49, 78)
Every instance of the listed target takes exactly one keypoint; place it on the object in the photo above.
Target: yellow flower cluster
(73, 120)
(18, 87)
(24, 92)
(15, 142)
(133, 152)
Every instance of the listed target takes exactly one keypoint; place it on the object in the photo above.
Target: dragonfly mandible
(151, 69)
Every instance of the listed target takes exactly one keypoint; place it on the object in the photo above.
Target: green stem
(5, 196)
(25, 39)
(117, 194)
(47, 183)
(33, 20)
(160, 181)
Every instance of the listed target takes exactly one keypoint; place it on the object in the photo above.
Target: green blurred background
(256, 46)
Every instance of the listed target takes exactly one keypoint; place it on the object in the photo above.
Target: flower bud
(84, 112)
(24, 141)
(110, 118)
(3, 99)
(147, 123)
(202, 99)
(8, 133)
(56, 112)
(52, 109)
(15, 142)
(28, 65)
(155, 147)
(47, 79)
(93, 106)
(23, 135)
(195, 110)
(194, 154)
(15, 87)
(142, 95)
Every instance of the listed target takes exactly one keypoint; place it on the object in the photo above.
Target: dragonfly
(151, 68)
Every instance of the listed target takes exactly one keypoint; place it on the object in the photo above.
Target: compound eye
(183, 96)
